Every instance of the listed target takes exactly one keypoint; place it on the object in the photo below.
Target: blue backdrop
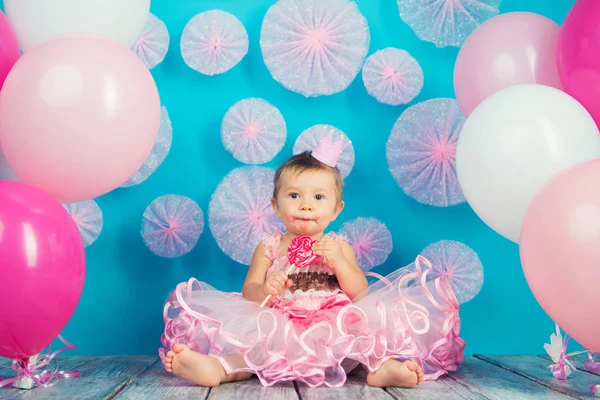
(120, 310)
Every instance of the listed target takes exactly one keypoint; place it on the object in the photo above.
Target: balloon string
(31, 368)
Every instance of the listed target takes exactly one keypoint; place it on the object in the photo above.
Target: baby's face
(307, 202)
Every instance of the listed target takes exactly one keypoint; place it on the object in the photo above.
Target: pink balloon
(78, 116)
(578, 55)
(9, 48)
(560, 251)
(507, 50)
(42, 269)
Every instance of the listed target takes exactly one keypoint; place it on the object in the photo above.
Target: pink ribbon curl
(36, 370)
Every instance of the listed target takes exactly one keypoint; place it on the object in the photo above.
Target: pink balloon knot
(37, 368)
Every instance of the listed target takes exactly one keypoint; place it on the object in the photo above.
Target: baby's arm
(341, 258)
(253, 288)
(350, 277)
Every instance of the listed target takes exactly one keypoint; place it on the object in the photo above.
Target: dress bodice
(317, 279)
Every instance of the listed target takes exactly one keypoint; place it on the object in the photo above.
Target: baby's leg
(199, 368)
(395, 373)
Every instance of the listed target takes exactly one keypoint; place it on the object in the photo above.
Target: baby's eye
(319, 197)
(294, 195)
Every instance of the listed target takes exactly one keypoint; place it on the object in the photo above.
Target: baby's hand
(331, 250)
(275, 283)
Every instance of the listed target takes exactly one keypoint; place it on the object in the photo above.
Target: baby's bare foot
(395, 373)
(196, 367)
(169, 361)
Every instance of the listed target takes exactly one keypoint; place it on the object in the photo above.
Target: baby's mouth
(304, 219)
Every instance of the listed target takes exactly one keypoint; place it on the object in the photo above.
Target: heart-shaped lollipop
(300, 255)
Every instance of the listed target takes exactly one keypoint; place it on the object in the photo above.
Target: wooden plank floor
(143, 377)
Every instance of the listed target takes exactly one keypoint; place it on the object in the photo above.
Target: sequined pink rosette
(300, 255)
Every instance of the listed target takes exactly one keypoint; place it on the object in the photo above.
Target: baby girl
(322, 321)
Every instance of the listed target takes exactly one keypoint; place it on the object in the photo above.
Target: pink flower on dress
(307, 309)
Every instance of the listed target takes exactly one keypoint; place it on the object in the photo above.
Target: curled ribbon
(557, 350)
(592, 365)
(34, 368)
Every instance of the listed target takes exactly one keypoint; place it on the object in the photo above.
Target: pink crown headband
(329, 151)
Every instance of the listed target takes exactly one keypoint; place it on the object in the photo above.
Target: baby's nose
(306, 207)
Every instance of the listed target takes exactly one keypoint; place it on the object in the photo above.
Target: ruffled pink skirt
(402, 316)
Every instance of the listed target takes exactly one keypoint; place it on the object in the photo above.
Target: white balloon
(37, 21)
(513, 143)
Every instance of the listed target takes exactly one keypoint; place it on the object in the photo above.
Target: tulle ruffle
(401, 316)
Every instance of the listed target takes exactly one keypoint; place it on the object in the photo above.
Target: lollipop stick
(287, 272)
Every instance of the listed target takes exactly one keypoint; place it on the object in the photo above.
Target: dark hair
(303, 162)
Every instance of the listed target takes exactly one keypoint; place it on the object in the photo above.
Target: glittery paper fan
(446, 22)
(159, 152)
(6, 173)
(88, 218)
(421, 152)
(153, 44)
(309, 139)
(213, 42)
(253, 130)
(240, 211)
(370, 239)
(314, 47)
(171, 225)
(392, 76)
(460, 264)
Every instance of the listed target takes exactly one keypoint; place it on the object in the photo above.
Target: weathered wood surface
(536, 368)
(444, 388)
(156, 383)
(494, 382)
(355, 388)
(101, 377)
(252, 389)
(143, 377)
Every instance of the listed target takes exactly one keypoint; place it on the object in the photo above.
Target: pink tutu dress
(313, 332)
